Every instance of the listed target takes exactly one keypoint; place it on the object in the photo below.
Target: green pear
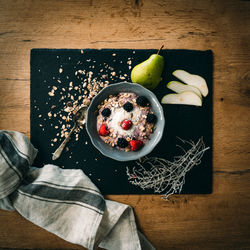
(148, 73)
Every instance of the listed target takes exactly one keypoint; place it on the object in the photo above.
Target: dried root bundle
(164, 176)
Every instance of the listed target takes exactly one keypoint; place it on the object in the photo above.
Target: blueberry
(122, 143)
(142, 101)
(128, 106)
(151, 118)
(106, 112)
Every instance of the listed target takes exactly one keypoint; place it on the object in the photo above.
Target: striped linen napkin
(63, 201)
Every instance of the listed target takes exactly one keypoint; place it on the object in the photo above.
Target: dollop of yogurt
(118, 115)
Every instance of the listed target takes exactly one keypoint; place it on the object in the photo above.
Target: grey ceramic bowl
(114, 153)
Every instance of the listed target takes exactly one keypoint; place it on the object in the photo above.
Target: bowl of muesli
(125, 121)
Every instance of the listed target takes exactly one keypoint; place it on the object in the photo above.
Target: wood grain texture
(219, 220)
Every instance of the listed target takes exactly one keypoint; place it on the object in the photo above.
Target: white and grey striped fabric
(63, 201)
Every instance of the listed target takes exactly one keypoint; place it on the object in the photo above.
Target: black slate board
(186, 122)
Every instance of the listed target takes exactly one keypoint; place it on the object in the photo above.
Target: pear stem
(160, 49)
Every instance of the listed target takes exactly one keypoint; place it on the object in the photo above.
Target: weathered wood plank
(219, 220)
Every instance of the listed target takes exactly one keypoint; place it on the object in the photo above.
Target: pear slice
(179, 87)
(194, 80)
(187, 97)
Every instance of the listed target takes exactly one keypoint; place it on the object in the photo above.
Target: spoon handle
(59, 150)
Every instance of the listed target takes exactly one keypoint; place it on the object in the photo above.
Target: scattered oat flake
(114, 54)
(86, 142)
(51, 93)
(90, 76)
(104, 76)
(49, 114)
(40, 116)
(60, 70)
(55, 140)
(113, 73)
(129, 62)
(81, 71)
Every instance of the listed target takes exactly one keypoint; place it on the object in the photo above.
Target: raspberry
(128, 106)
(142, 101)
(103, 131)
(126, 124)
(151, 118)
(106, 112)
(122, 143)
(135, 145)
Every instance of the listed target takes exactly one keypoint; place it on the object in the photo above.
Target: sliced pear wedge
(179, 87)
(187, 97)
(193, 80)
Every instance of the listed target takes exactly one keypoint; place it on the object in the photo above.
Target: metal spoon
(78, 119)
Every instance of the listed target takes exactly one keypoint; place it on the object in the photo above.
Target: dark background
(186, 122)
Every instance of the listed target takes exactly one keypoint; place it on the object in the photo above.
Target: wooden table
(219, 220)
